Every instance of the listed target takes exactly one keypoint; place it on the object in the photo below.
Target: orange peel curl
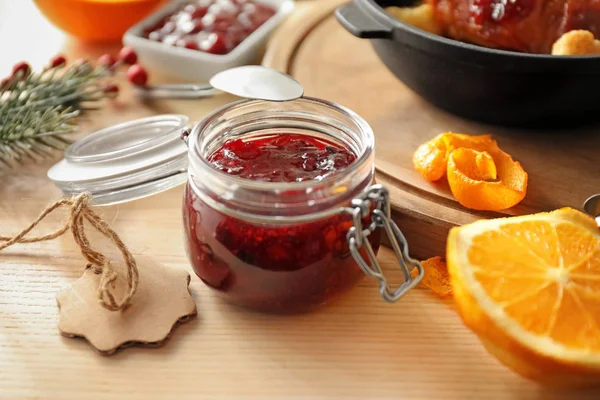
(431, 158)
(480, 175)
(436, 277)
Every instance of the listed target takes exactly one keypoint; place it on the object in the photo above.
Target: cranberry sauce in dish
(289, 267)
(211, 26)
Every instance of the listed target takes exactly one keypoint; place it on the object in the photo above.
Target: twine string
(80, 211)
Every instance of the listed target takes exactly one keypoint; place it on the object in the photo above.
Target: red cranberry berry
(215, 44)
(128, 56)
(4, 83)
(192, 27)
(58, 61)
(137, 75)
(195, 11)
(22, 70)
(190, 44)
(243, 20)
(168, 28)
(107, 60)
(111, 90)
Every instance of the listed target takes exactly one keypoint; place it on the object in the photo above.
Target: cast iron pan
(487, 85)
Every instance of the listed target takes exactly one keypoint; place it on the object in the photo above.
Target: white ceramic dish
(194, 65)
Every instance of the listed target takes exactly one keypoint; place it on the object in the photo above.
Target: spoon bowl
(258, 83)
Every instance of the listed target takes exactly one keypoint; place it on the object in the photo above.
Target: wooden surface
(357, 348)
(332, 64)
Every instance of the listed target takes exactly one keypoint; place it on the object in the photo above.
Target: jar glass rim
(365, 152)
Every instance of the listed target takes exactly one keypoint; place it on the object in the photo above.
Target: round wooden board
(332, 64)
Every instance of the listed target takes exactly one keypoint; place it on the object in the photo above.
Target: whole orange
(96, 20)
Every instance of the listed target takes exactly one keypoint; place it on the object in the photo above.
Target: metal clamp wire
(378, 196)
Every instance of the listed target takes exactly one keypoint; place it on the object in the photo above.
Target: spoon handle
(177, 91)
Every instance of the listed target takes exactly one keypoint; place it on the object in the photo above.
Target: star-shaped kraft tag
(162, 301)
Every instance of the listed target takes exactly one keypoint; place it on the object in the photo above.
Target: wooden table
(357, 348)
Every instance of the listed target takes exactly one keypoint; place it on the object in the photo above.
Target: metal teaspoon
(250, 81)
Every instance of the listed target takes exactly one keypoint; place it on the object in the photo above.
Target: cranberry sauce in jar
(281, 158)
(262, 206)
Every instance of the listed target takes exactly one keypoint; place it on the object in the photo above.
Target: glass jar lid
(126, 161)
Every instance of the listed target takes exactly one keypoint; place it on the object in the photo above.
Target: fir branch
(31, 130)
(38, 110)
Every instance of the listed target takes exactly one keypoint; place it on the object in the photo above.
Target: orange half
(529, 287)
